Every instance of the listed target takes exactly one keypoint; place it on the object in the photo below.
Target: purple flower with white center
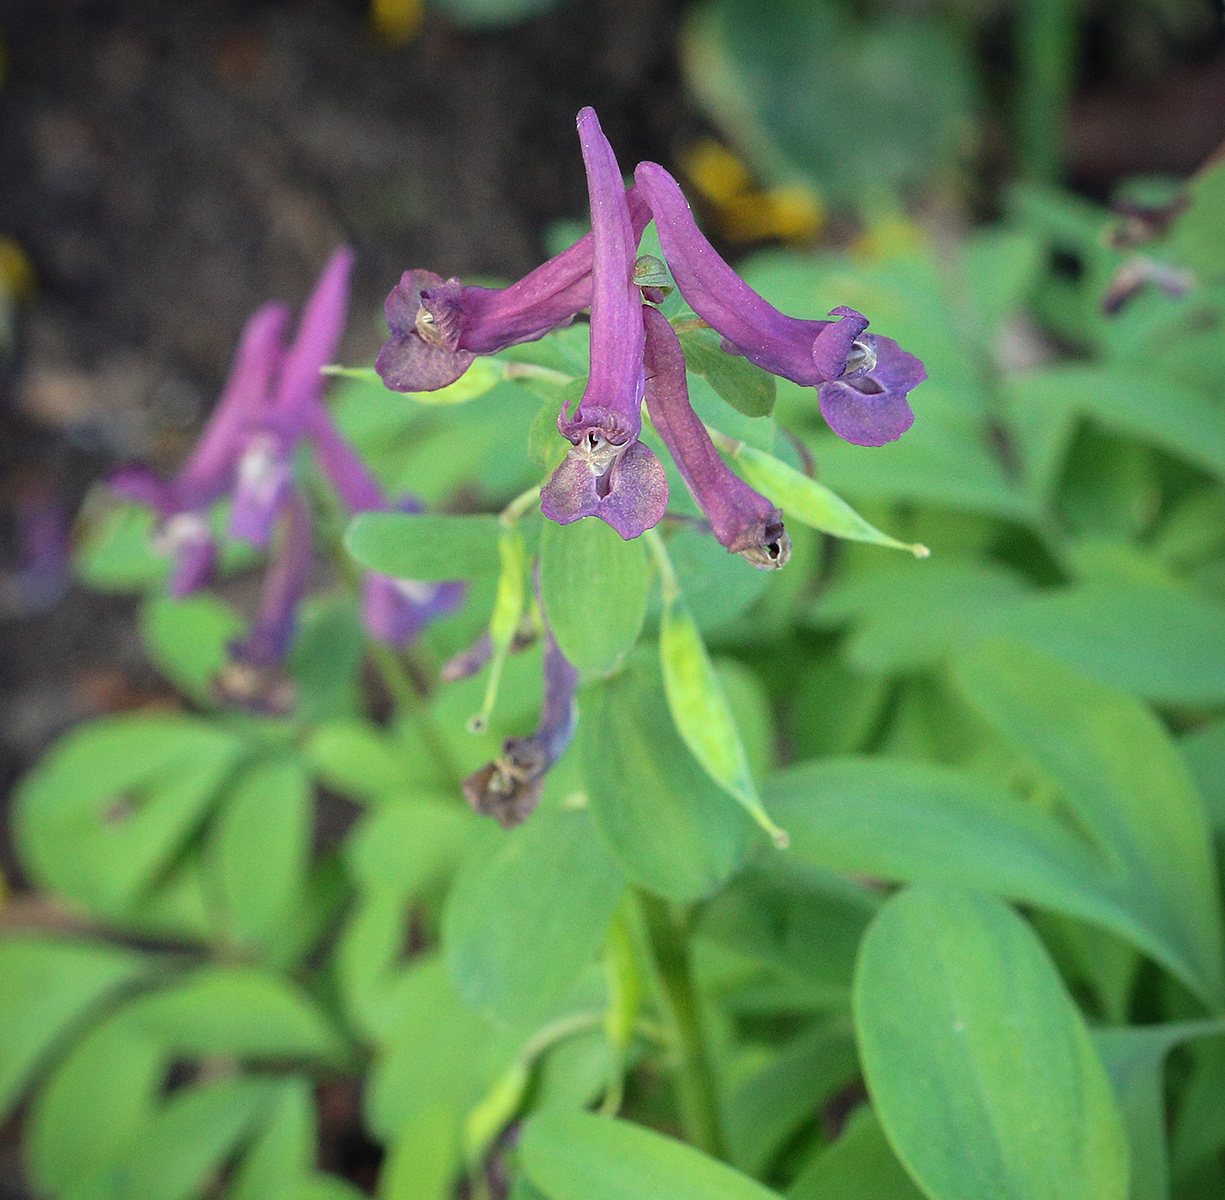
(393, 610)
(509, 788)
(742, 519)
(182, 503)
(609, 474)
(862, 379)
(439, 326)
(265, 466)
(255, 676)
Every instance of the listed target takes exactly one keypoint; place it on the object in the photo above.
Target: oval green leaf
(594, 585)
(981, 1070)
(425, 546)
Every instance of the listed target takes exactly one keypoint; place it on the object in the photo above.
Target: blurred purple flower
(509, 788)
(742, 519)
(609, 474)
(862, 379)
(182, 503)
(265, 466)
(439, 326)
(393, 610)
(255, 676)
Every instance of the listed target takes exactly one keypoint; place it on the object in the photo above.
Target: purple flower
(609, 474)
(182, 503)
(265, 466)
(393, 610)
(255, 676)
(862, 379)
(439, 326)
(743, 520)
(509, 788)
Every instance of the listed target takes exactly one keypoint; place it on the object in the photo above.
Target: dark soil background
(167, 167)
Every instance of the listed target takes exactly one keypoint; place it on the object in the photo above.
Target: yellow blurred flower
(16, 270)
(891, 237)
(791, 213)
(396, 21)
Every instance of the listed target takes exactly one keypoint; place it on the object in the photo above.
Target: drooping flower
(742, 519)
(439, 326)
(509, 788)
(862, 379)
(182, 503)
(255, 676)
(609, 474)
(265, 466)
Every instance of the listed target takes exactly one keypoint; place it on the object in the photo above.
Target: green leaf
(190, 1137)
(952, 992)
(578, 1156)
(745, 386)
(1135, 1059)
(1204, 751)
(664, 820)
(115, 800)
(860, 1165)
(425, 546)
(424, 1160)
(103, 1091)
(529, 910)
(189, 639)
(117, 552)
(238, 1011)
(701, 713)
(1164, 644)
(47, 985)
(325, 660)
(1122, 775)
(811, 502)
(1157, 410)
(594, 587)
(355, 756)
(261, 846)
(763, 1110)
(283, 1154)
(920, 823)
(1197, 237)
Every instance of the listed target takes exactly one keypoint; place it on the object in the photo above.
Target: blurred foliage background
(1001, 185)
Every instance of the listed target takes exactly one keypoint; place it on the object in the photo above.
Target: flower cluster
(271, 406)
(438, 327)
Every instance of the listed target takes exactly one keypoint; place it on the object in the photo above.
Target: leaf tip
(920, 551)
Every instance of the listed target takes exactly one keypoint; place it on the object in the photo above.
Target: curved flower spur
(439, 326)
(609, 474)
(862, 379)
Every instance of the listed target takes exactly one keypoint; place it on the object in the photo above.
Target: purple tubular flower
(509, 788)
(182, 503)
(393, 610)
(743, 520)
(609, 474)
(255, 677)
(265, 468)
(439, 326)
(862, 379)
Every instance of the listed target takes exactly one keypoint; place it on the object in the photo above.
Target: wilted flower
(862, 379)
(742, 519)
(509, 788)
(609, 474)
(439, 326)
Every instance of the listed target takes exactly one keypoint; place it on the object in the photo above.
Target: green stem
(408, 701)
(669, 584)
(1046, 53)
(666, 955)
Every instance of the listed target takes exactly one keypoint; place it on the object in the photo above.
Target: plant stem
(1046, 53)
(667, 958)
(407, 700)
